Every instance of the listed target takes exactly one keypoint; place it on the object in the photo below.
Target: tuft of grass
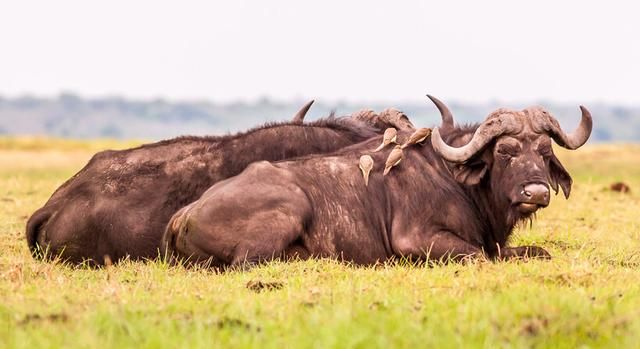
(588, 295)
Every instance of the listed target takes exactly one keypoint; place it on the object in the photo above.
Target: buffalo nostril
(536, 193)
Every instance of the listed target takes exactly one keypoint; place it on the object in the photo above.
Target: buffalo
(457, 196)
(119, 204)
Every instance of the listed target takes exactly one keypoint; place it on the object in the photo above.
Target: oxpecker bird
(395, 156)
(390, 136)
(417, 137)
(366, 164)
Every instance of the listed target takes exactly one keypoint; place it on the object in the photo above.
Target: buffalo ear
(559, 176)
(470, 173)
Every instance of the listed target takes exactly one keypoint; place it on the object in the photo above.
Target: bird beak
(365, 174)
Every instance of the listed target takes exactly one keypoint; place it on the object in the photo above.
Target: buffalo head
(511, 150)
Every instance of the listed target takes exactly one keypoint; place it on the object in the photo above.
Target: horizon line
(299, 99)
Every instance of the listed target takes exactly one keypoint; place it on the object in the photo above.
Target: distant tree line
(72, 116)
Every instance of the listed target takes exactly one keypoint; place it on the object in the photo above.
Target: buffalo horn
(493, 127)
(299, 117)
(577, 138)
(445, 113)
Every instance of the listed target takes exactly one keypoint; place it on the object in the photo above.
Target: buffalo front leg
(441, 246)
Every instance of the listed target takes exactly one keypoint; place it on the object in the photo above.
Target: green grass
(587, 296)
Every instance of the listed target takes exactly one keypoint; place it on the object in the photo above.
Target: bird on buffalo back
(417, 137)
(390, 136)
(365, 165)
(394, 158)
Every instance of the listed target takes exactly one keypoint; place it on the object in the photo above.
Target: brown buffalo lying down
(459, 195)
(120, 202)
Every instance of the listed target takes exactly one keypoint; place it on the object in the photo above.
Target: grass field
(587, 296)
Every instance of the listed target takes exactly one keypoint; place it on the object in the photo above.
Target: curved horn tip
(584, 110)
(432, 98)
(299, 117)
(587, 114)
(308, 105)
(445, 113)
(581, 134)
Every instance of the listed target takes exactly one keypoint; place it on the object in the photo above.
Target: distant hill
(72, 116)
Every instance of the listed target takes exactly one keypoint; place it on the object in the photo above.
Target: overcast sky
(567, 51)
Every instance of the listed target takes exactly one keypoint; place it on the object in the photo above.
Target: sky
(469, 51)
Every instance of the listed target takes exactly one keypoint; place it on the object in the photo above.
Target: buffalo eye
(508, 150)
(545, 150)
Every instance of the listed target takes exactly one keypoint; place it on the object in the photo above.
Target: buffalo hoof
(523, 252)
